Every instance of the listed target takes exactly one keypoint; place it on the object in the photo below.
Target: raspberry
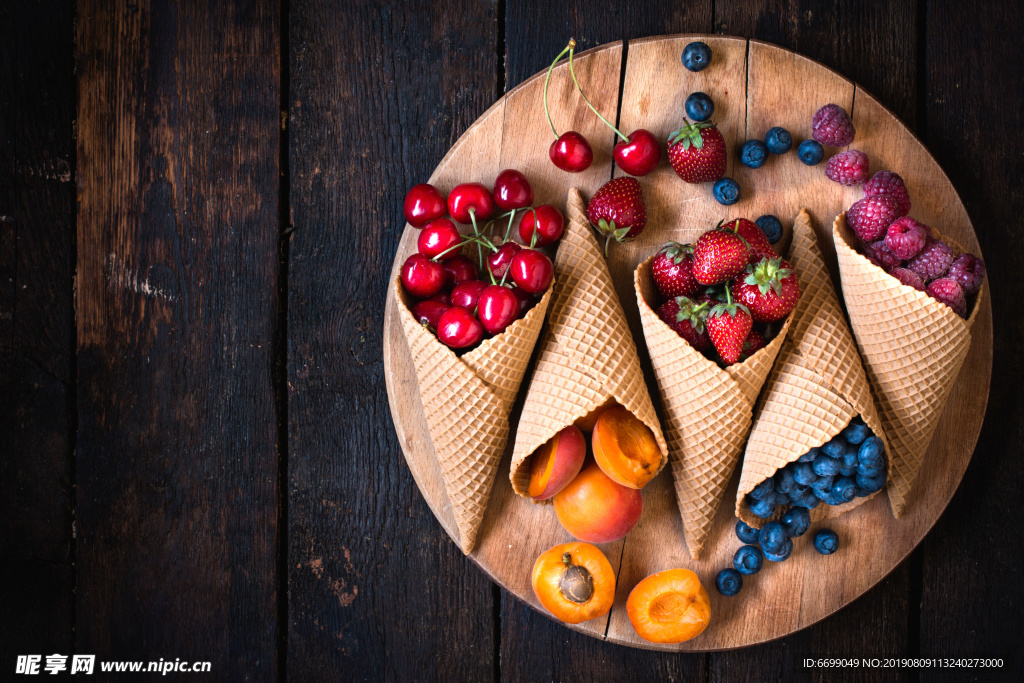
(907, 277)
(969, 271)
(848, 168)
(933, 261)
(881, 255)
(906, 237)
(869, 217)
(832, 126)
(887, 182)
(948, 291)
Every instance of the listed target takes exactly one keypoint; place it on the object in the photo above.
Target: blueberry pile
(754, 153)
(849, 466)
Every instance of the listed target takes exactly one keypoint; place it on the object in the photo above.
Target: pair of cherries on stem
(637, 154)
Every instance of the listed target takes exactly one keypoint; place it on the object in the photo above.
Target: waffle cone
(913, 347)
(817, 386)
(708, 411)
(587, 355)
(481, 384)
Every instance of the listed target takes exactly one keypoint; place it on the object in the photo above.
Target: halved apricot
(556, 463)
(625, 448)
(669, 607)
(575, 582)
(587, 422)
(594, 508)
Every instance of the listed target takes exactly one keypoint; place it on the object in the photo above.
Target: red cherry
(498, 308)
(422, 277)
(532, 271)
(467, 294)
(423, 203)
(548, 224)
(458, 328)
(512, 190)
(429, 312)
(525, 300)
(571, 152)
(437, 238)
(470, 196)
(441, 297)
(639, 155)
(499, 260)
(459, 270)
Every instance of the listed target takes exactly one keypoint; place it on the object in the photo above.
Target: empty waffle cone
(913, 348)
(708, 411)
(467, 401)
(587, 354)
(817, 386)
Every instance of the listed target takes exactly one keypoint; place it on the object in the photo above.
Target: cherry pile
(463, 300)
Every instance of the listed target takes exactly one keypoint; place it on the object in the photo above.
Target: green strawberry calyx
(689, 134)
(676, 252)
(691, 311)
(728, 307)
(611, 231)
(767, 274)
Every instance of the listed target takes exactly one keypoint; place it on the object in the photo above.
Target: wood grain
(874, 543)
(178, 132)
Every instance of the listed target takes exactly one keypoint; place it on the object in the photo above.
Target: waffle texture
(587, 354)
(913, 348)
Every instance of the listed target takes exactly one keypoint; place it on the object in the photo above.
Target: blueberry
(784, 480)
(821, 487)
(726, 191)
(808, 500)
(763, 508)
(856, 433)
(771, 227)
(728, 582)
(870, 484)
(796, 521)
(748, 560)
(753, 154)
(809, 456)
(844, 489)
(772, 537)
(745, 532)
(783, 553)
(836, 448)
(824, 466)
(699, 106)
(762, 490)
(696, 56)
(810, 152)
(782, 498)
(871, 451)
(804, 474)
(849, 463)
(798, 490)
(871, 469)
(778, 140)
(826, 542)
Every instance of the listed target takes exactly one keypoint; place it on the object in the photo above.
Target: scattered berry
(423, 203)
(726, 191)
(810, 152)
(826, 541)
(969, 271)
(512, 190)
(672, 270)
(782, 554)
(546, 222)
(719, 255)
(688, 319)
(933, 261)
(869, 217)
(728, 582)
(906, 237)
(571, 152)
(745, 532)
(848, 168)
(887, 182)
(470, 201)
(831, 126)
(699, 106)
(772, 537)
(769, 290)
(796, 521)
(753, 154)
(638, 154)
(748, 560)
(948, 291)
(909, 278)
(881, 255)
(617, 210)
(696, 152)
(696, 56)
(771, 227)
(778, 140)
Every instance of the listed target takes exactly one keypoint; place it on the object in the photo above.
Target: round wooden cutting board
(754, 86)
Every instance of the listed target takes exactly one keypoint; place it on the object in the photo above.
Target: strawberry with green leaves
(617, 210)
(672, 270)
(688, 319)
(760, 247)
(697, 152)
(729, 325)
(770, 289)
(719, 255)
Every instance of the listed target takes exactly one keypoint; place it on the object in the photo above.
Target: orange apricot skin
(594, 508)
(547, 572)
(587, 422)
(625, 448)
(556, 463)
(669, 607)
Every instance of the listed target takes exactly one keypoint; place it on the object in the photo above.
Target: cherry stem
(533, 236)
(547, 113)
(508, 230)
(607, 241)
(476, 232)
(572, 72)
(464, 242)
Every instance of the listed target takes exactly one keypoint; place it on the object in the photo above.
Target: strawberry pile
(722, 293)
(452, 299)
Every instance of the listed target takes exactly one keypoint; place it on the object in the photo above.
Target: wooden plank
(376, 588)
(178, 143)
(969, 559)
(37, 195)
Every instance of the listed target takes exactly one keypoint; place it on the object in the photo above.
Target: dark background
(199, 207)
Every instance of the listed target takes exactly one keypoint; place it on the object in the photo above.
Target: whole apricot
(575, 582)
(594, 508)
(556, 463)
(625, 448)
(587, 422)
(669, 607)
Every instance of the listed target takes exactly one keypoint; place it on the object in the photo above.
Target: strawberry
(729, 326)
(617, 210)
(687, 318)
(672, 270)
(697, 152)
(753, 343)
(719, 255)
(769, 289)
(760, 247)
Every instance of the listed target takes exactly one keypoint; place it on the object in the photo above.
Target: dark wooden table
(199, 205)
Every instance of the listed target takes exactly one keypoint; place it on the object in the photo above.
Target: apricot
(625, 448)
(575, 582)
(587, 422)
(594, 508)
(669, 607)
(556, 463)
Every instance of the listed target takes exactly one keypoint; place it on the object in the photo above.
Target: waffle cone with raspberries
(913, 348)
